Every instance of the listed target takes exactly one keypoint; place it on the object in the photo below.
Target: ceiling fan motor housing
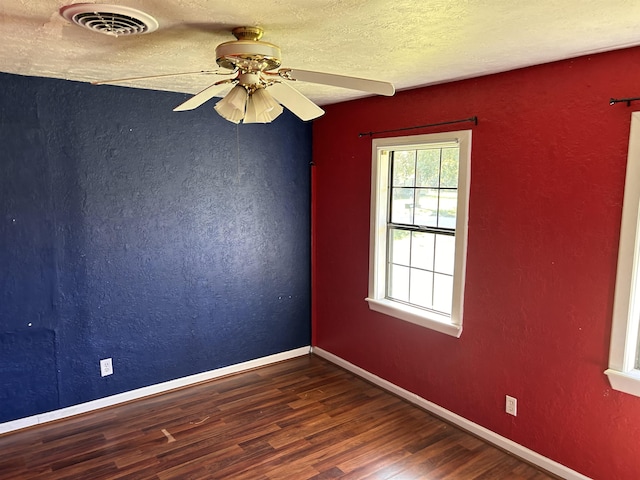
(250, 81)
(248, 55)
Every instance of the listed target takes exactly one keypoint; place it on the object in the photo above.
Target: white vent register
(114, 20)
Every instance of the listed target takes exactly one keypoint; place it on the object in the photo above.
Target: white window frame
(450, 325)
(623, 375)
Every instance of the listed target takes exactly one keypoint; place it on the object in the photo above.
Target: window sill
(627, 382)
(431, 320)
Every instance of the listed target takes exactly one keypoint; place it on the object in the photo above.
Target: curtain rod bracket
(473, 119)
(628, 101)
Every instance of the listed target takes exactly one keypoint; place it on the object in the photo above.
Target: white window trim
(378, 237)
(626, 303)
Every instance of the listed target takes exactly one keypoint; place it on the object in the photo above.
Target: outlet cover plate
(106, 367)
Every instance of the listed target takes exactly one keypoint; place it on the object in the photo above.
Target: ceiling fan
(259, 88)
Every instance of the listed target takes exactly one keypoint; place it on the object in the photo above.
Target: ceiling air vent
(114, 20)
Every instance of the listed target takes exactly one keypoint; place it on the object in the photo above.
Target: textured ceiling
(407, 42)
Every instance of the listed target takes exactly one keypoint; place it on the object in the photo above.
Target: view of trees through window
(421, 226)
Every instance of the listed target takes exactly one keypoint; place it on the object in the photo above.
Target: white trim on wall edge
(150, 390)
(499, 441)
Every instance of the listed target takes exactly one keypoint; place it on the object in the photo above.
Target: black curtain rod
(613, 101)
(371, 134)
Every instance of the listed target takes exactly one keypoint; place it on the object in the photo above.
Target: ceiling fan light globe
(237, 97)
(250, 115)
(266, 116)
(261, 107)
(263, 101)
(232, 106)
(273, 113)
(234, 116)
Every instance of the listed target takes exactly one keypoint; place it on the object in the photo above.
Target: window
(624, 354)
(419, 202)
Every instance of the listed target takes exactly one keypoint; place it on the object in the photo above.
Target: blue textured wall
(174, 243)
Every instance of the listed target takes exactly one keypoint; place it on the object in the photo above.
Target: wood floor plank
(302, 419)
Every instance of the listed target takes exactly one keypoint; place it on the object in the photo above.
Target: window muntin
(419, 228)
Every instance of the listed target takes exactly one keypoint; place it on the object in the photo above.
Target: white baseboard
(150, 390)
(498, 440)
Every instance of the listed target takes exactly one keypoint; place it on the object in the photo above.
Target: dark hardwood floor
(300, 419)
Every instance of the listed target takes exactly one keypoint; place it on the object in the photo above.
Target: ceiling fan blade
(354, 83)
(300, 105)
(203, 96)
(120, 80)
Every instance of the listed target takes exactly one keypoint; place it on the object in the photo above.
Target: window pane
(421, 288)
(404, 169)
(400, 246)
(427, 207)
(445, 253)
(449, 171)
(442, 293)
(447, 208)
(422, 248)
(398, 282)
(402, 205)
(428, 168)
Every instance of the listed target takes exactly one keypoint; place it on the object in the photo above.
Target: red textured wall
(547, 177)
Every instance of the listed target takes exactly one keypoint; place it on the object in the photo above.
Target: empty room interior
(364, 225)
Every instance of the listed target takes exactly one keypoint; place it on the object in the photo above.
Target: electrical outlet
(511, 406)
(106, 367)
